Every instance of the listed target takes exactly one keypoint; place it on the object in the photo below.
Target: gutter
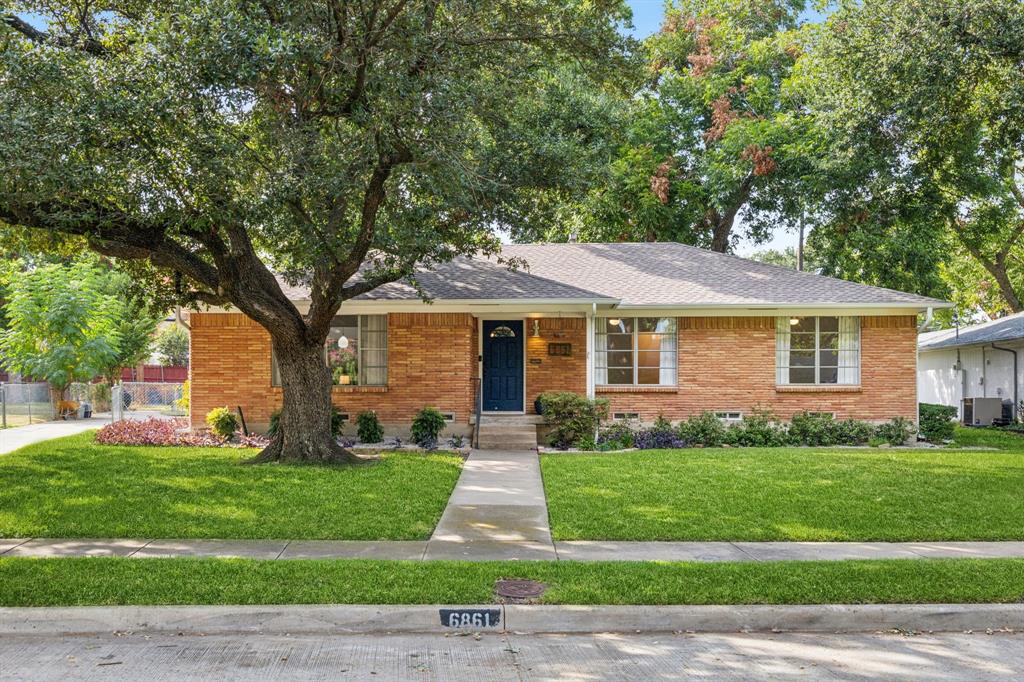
(1016, 380)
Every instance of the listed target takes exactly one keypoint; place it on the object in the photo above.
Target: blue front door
(503, 366)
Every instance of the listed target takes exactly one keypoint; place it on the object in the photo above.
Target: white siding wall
(986, 373)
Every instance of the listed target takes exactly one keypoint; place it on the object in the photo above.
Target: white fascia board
(742, 310)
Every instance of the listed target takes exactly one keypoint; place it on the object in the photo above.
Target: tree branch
(89, 44)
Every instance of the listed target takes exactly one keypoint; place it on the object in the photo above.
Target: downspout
(917, 364)
(180, 320)
(1015, 381)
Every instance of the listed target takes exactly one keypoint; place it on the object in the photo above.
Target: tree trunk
(304, 430)
(1002, 278)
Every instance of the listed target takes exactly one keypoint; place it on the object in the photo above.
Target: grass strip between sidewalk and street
(118, 581)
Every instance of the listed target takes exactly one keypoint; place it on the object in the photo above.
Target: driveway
(19, 437)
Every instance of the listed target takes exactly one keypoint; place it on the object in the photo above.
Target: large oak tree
(215, 144)
(924, 105)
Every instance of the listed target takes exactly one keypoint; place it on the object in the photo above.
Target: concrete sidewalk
(20, 436)
(470, 546)
(498, 510)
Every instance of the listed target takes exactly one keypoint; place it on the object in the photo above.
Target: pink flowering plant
(168, 432)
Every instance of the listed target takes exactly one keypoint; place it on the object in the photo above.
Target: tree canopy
(72, 322)
(924, 102)
(211, 144)
(714, 140)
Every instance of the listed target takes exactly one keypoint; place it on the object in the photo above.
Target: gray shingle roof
(1007, 328)
(667, 273)
(637, 274)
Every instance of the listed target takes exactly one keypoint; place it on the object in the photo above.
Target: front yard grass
(112, 581)
(788, 494)
(74, 488)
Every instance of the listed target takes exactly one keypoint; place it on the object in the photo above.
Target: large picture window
(639, 351)
(356, 351)
(817, 350)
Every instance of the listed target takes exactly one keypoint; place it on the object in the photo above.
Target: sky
(647, 16)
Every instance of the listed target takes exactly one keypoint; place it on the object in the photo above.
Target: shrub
(571, 416)
(368, 427)
(758, 430)
(937, 422)
(617, 435)
(99, 395)
(704, 429)
(660, 436)
(896, 431)
(222, 422)
(337, 422)
(586, 443)
(426, 427)
(186, 392)
(824, 430)
(854, 432)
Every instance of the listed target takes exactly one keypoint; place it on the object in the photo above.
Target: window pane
(620, 359)
(342, 350)
(620, 376)
(829, 375)
(801, 341)
(801, 375)
(828, 358)
(622, 325)
(660, 325)
(803, 324)
(649, 376)
(620, 342)
(829, 340)
(801, 358)
(828, 324)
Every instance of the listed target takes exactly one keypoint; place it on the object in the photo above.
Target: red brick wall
(431, 361)
(553, 372)
(725, 363)
(728, 363)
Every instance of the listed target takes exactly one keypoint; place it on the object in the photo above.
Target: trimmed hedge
(937, 422)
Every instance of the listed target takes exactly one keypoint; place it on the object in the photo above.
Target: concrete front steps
(508, 432)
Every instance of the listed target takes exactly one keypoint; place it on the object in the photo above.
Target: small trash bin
(85, 411)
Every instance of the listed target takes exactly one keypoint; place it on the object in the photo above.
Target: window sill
(818, 388)
(636, 389)
(348, 388)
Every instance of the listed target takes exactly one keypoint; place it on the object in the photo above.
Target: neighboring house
(979, 361)
(656, 328)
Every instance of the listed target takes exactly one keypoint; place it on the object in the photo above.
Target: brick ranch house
(656, 328)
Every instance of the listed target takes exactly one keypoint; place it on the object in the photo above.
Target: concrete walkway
(20, 436)
(474, 545)
(498, 510)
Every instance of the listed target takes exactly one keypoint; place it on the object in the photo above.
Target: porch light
(614, 321)
(793, 321)
(536, 329)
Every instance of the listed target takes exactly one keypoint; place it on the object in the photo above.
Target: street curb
(368, 619)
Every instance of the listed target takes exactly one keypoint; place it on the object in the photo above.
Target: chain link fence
(165, 398)
(23, 404)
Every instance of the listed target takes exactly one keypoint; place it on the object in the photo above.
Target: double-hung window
(817, 350)
(638, 351)
(356, 351)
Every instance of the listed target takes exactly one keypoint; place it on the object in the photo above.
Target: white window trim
(817, 353)
(603, 320)
(275, 381)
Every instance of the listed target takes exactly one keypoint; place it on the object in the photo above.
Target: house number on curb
(470, 618)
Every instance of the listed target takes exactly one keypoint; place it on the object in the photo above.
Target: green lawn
(791, 493)
(96, 581)
(72, 487)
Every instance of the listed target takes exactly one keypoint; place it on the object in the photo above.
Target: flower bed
(169, 432)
